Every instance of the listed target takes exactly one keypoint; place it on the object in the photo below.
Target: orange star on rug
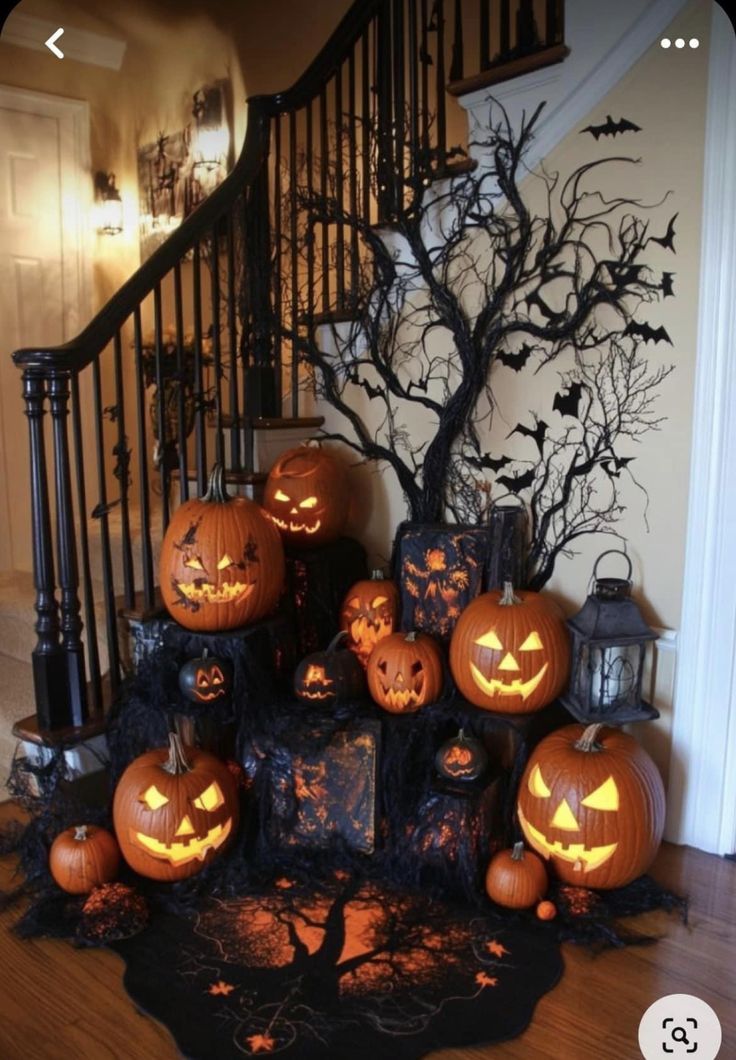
(485, 980)
(261, 1043)
(221, 987)
(283, 884)
(496, 948)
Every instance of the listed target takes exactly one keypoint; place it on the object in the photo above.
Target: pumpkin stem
(411, 637)
(508, 597)
(588, 741)
(461, 734)
(377, 575)
(337, 640)
(517, 854)
(216, 491)
(177, 762)
(80, 832)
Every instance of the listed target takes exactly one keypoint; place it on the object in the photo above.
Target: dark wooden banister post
(49, 677)
(66, 549)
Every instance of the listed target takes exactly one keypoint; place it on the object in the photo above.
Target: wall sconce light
(110, 205)
(211, 139)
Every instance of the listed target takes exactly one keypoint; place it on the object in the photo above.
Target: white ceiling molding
(25, 31)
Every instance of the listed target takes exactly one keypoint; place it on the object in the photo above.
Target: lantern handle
(613, 552)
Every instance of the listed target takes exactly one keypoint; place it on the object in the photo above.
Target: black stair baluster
(457, 61)
(484, 35)
(384, 117)
(294, 274)
(504, 36)
(339, 195)
(277, 257)
(163, 419)
(413, 47)
(102, 512)
(122, 474)
(143, 483)
(440, 84)
(365, 124)
(309, 157)
(399, 115)
(200, 439)
(232, 338)
(90, 619)
(184, 390)
(215, 341)
(353, 180)
(324, 147)
(49, 677)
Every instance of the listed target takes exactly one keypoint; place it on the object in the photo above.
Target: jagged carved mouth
(401, 698)
(316, 695)
(207, 593)
(584, 859)
(493, 686)
(296, 528)
(179, 853)
(367, 632)
(205, 697)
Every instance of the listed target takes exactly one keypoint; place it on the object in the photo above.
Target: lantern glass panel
(609, 676)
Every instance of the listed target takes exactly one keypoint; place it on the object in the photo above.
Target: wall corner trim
(702, 789)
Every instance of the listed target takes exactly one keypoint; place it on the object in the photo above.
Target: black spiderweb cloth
(348, 969)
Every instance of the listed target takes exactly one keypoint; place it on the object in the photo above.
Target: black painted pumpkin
(206, 680)
(330, 676)
(461, 758)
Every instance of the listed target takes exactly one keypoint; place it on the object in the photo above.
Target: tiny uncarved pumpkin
(207, 679)
(175, 810)
(516, 879)
(461, 758)
(330, 676)
(510, 652)
(369, 613)
(591, 802)
(83, 857)
(222, 561)
(405, 672)
(307, 496)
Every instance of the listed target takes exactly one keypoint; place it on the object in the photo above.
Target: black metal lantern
(609, 642)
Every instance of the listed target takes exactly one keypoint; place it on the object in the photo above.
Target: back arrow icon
(52, 46)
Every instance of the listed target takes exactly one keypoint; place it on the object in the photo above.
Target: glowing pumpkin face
(306, 495)
(330, 676)
(405, 672)
(369, 613)
(510, 654)
(461, 758)
(205, 680)
(174, 811)
(591, 802)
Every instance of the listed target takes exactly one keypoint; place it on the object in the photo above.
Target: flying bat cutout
(487, 462)
(569, 403)
(615, 464)
(668, 239)
(646, 333)
(537, 433)
(611, 127)
(517, 483)
(518, 358)
(666, 285)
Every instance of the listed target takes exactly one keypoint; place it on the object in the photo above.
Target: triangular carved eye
(536, 784)
(379, 601)
(603, 798)
(490, 640)
(564, 818)
(532, 642)
(279, 495)
(225, 562)
(153, 798)
(210, 799)
(310, 502)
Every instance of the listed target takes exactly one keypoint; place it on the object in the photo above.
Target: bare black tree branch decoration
(464, 274)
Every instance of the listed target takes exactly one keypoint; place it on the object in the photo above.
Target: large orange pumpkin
(175, 809)
(369, 613)
(405, 672)
(307, 496)
(510, 652)
(591, 802)
(222, 562)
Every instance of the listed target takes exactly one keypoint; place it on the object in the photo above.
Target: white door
(44, 203)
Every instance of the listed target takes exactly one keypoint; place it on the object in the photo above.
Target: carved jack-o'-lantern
(222, 562)
(405, 672)
(510, 653)
(307, 496)
(174, 811)
(461, 758)
(206, 680)
(369, 613)
(330, 676)
(591, 802)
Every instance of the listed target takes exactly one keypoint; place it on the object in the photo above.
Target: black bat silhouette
(612, 466)
(189, 538)
(611, 127)
(668, 239)
(102, 509)
(646, 333)
(489, 462)
(666, 285)
(517, 483)
(371, 391)
(518, 358)
(623, 274)
(569, 403)
(537, 433)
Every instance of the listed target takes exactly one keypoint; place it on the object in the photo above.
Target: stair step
(525, 64)
(232, 476)
(273, 423)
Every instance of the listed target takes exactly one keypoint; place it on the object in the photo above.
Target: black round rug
(353, 969)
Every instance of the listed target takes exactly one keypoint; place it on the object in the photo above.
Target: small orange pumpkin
(222, 562)
(83, 857)
(369, 613)
(405, 672)
(510, 653)
(516, 879)
(307, 496)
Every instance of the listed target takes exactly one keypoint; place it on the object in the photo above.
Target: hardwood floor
(57, 1002)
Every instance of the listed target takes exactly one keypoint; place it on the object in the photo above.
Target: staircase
(221, 310)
